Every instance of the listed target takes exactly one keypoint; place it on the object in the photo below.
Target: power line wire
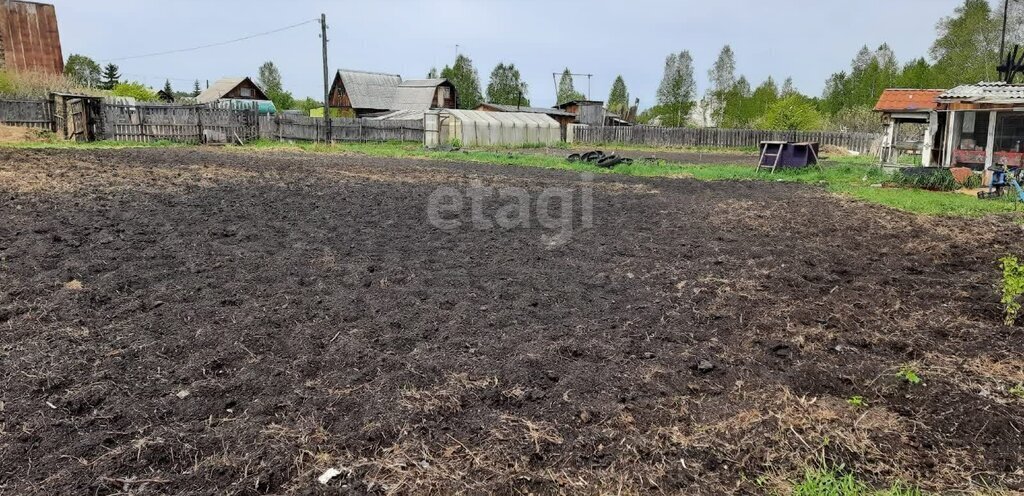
(212, 45)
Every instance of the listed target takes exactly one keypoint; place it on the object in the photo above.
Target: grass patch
(832, 482)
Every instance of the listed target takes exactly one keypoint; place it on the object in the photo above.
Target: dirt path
(181, 321)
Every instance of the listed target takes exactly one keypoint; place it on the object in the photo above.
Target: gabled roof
(578, 102)
(416, 94)
(998, 92)
(370, 90)
(532, 110)
(223, 86)
(908, 100)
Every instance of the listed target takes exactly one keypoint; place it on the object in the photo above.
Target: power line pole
(327, 84)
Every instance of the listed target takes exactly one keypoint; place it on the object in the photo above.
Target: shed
(983, 125)
(588, 112)
(235, 88)
(361, 93)
(478, 128)
(563, 117)
(29, 38)
(911, 122)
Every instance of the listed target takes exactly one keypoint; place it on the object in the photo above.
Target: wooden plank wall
(718, 138)
(189, 124)
(285, 127)
(27, 113)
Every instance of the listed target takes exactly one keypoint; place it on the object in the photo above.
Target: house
(164, 96)
(29, 38)
(361, 93)
(587, 112)
(561, 116)
(982, 125)
(237, 93)
(911, 121)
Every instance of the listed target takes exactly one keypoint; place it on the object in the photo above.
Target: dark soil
(185, 321)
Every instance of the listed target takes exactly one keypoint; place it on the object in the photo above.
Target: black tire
(610, 162)
(594, 156)
(575, 157)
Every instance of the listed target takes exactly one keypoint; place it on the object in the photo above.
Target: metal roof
(997, 92)
(222, 87)
(416, 94)
(370, 90)
(531, 110)
(907, 100)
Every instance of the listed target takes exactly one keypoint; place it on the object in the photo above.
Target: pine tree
(433, 73)
(466, 80)
(167, 87)
(618, 99)
(111, 76)
(506, 86)
(196, 89)
(566, 90)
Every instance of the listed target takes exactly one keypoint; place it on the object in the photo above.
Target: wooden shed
(983, 125)
(361, 93)
(911, 121)
(29, 38)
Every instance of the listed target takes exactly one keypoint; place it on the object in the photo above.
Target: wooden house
(232, 89)
(982, 125)
(361, 93)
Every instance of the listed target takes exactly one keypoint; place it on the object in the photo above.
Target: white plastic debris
(182, 394)
(328, 475)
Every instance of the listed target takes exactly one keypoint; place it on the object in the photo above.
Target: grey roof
(370, 90)
(998, 92)
(220, 88)
(531, 110)
(416, 94)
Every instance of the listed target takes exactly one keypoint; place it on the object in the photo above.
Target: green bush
(1012, 287)
(922, 178)
(793, 113)
(138, 91)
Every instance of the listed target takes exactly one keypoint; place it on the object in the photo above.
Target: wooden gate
(78, 120)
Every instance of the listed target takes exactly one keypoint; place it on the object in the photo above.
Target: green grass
(93, 145)
(832, 482)
(855, 176)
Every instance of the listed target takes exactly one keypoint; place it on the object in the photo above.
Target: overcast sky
(805, 39)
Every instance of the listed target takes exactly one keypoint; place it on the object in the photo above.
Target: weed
(1013, 288)
(455, 143)
(908, 374)
(932, 179)
(857, 401)
(1018, 391)
(833, 482)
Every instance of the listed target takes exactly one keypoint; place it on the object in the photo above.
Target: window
(246, 92)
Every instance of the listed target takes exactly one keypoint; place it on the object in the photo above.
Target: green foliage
(618, 98)
(466, 80)
(792, 113)
(677, 90)
(83, 70)
(283, 100)
(930, 179)
(1012, 288)
(309, 104)
(136, 90)
(507, 87)
(909, 374)
(967, 46)
(455, 143)
(861, 119)
(111, 77)
(834, 482)
(269, 78)
(1018, 391)
(857, 401)
(566, 90)
(433, 74)
(167, 87)
(196, 89)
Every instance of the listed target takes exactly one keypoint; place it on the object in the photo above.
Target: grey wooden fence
(189, 124)
(27, 113)
(286, 127)
(718, 138)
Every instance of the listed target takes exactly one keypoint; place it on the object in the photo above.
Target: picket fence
(718, 138)
(286, 127)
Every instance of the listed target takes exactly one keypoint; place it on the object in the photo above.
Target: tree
(167, 87)
(787, 88)
(83, 71)
(463, 75)
(134, 90)
(916, 74)
(270, 78)
(507, 87)
(566, 90)
(618, 99)
(763, 97)
(111, 76)
(433, 73)
(308, 104)
(967, 45)
(196, 90)
(793, 113)
(677, 89)
(737, 110)
(722, 77)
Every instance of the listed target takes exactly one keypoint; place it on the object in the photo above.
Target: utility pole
(327, 84)
(1002, 42)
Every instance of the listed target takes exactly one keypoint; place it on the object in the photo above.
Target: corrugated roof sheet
(907, 100)
(220, 88)
(985, 93)
(416, 94)
(370, 90)
(531, 110)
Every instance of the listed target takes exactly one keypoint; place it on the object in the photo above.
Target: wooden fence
(286, 127)
(718, 138)
(189, 124)
(27, 113)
